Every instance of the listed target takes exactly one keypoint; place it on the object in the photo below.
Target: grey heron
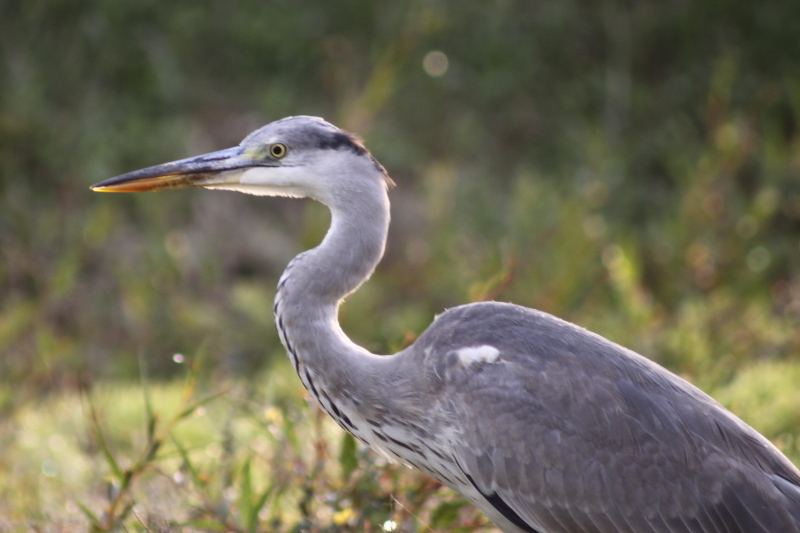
(544, 426)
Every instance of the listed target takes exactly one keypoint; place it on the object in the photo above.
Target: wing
(563, 431)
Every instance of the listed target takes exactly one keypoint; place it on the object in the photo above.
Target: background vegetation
(633, 167)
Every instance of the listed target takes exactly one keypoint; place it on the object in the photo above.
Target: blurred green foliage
(617, 164)
(633, 167)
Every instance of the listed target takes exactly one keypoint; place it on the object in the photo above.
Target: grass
(198, 455)
(167, 457)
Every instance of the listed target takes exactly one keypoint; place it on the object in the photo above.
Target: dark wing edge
(496, 501)
(790, 491)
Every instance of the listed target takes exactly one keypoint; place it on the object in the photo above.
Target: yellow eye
(278, 150)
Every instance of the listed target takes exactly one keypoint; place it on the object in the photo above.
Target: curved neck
(316, 281)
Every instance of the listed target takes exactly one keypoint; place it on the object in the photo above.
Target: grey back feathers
(574, 433)
(544, 426)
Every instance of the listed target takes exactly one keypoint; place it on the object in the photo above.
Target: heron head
(296, 156)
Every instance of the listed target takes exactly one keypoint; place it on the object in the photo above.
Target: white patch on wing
(478, 354)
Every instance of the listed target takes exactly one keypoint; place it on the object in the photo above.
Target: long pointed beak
(216, 168)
